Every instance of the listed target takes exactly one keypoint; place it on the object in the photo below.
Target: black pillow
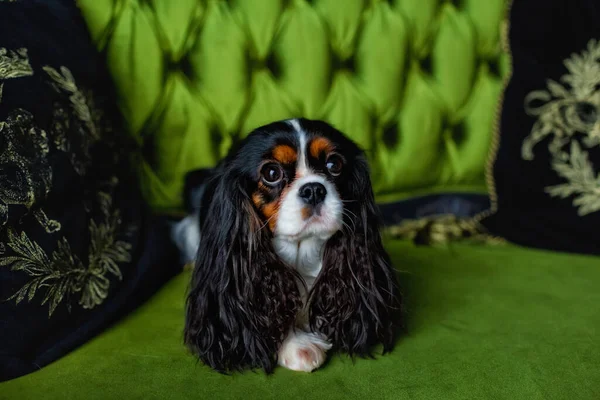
(78, 247)
(546, 181)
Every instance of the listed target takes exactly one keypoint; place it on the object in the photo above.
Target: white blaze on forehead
(294, 123)
(299, 241)
(302, 168)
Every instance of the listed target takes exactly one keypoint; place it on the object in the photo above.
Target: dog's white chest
(305, 256)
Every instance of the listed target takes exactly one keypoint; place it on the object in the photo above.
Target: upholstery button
(494, 68)
(391, 136)
(425, 64)
(456, 3)
(182, 65)
(269, 63)
(338, 63)
(459, 133)
(272, 64)
(216, 137)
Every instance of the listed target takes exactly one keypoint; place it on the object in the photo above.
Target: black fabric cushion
(78, 247)
(546, 171)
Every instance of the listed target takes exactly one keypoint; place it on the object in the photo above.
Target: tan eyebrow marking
(320, 145)
(285, 154)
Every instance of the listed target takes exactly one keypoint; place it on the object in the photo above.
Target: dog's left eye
(271, 174)
(334, 164)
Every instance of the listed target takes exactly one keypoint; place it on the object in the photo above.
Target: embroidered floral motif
(564, 110)
(570, 112)
(582, 181)
(62, 276)
(25, 174)
(13, 64)
(78, 118)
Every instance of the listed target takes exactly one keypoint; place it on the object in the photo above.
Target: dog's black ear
(356, 299)
(243, 300)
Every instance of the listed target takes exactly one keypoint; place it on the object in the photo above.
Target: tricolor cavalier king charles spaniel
(290, 262)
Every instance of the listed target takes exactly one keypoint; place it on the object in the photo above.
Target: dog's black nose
(312, 193)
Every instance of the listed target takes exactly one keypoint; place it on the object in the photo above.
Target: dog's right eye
(271, 174)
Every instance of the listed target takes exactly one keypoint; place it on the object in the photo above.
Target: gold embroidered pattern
(13, 64)
(26, 179)
(63, 276)
(25, 174)
(567, 110)
(564, 110)
(582, 181)
(441, 229)
(81, 120)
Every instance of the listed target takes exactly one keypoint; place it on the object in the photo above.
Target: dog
(289, 261)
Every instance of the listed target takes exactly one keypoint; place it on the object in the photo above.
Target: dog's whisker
(348, 226)
(266, 222)
(353, 214)
(345, 225)
(349, 217)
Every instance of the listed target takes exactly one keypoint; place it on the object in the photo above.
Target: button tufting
(391, 135)
(215, 135)
(269, 62)
(259, 61)
(272, 64)
(338, 64)
(425, 65)
(184, 66)
(456, 3)
(459, 133)
(494, 67)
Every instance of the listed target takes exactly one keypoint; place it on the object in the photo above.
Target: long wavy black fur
(356, 301)
(243, 300)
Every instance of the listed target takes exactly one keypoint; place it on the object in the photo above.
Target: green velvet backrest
(414, 82)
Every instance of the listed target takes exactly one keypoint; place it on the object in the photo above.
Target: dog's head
(289, 181)
(297, 176)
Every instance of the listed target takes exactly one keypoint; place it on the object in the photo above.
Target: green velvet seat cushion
(486, 323)
(414, 82)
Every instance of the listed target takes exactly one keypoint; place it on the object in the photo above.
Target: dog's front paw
(302, 351)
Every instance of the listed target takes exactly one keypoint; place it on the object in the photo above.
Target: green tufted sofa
(416, 83)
